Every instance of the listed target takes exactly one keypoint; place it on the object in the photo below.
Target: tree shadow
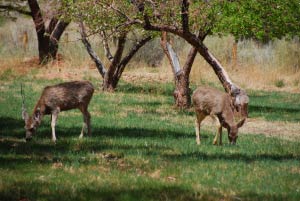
(274, 109)
(146, 88)
(31, 191)
(247, 158)
(107, 138)
(275, 113)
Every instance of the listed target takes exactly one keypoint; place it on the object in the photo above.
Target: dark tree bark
(48, 37)
(112, 75)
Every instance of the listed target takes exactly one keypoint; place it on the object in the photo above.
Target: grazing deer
(57, 98)
(212, 102)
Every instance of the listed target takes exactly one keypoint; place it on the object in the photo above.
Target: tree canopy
(261, 20)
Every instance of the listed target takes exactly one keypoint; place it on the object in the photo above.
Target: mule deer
(57, 98)
(212, 102)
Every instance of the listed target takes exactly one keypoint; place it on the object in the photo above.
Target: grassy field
(143, 149)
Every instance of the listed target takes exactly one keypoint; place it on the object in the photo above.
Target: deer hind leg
(218, 134)
(54, 116)
(198, 121)
(86, 122)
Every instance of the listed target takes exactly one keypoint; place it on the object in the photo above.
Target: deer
(55, 99)
(219, 105)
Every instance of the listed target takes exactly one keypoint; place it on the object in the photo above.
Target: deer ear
(241, 123)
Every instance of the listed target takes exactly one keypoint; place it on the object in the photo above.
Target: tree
(48, 36)
(112, 75)
(262, 21)
(86, 13)
(48, 30)
(180, 17)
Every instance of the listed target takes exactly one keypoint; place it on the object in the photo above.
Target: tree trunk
(234, 54)
(112, 76)
(48, 38)
(240, 98)
(55, 35)
(182, 92)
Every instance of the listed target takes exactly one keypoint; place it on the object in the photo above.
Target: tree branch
(171, 54)
(192, 55)
(91, 52)
(131, 53)
(196, 42)
(185, 15)
(37, 17)
(106, 47)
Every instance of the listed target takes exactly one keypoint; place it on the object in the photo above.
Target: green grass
(143, 149)
(275, 106)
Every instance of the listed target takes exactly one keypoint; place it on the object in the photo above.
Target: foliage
(261, 20)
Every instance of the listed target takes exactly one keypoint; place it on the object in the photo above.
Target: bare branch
(106, 46)
(91, 52)
(171, 54)
(131, 53)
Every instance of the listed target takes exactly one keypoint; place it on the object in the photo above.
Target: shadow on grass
(33, 191)
(274, 109)
(275, 113)
(146, 88)
(15, 128)
(248, 158)
(107, 138)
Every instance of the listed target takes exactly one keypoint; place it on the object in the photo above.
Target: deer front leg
(197, 128)
(198, 121)
(86, 122)
(53, 123)
(218, 134)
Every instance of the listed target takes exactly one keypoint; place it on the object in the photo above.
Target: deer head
(31, 123)
(233, 131)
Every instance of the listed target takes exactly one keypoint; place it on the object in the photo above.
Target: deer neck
(38, 113)
(226, 119)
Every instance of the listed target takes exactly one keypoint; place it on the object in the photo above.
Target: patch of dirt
(285, 130)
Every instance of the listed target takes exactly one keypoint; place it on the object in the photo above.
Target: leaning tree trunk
(239, 96)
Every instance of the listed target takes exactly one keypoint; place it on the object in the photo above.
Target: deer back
(210, 100)
(66, 96)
